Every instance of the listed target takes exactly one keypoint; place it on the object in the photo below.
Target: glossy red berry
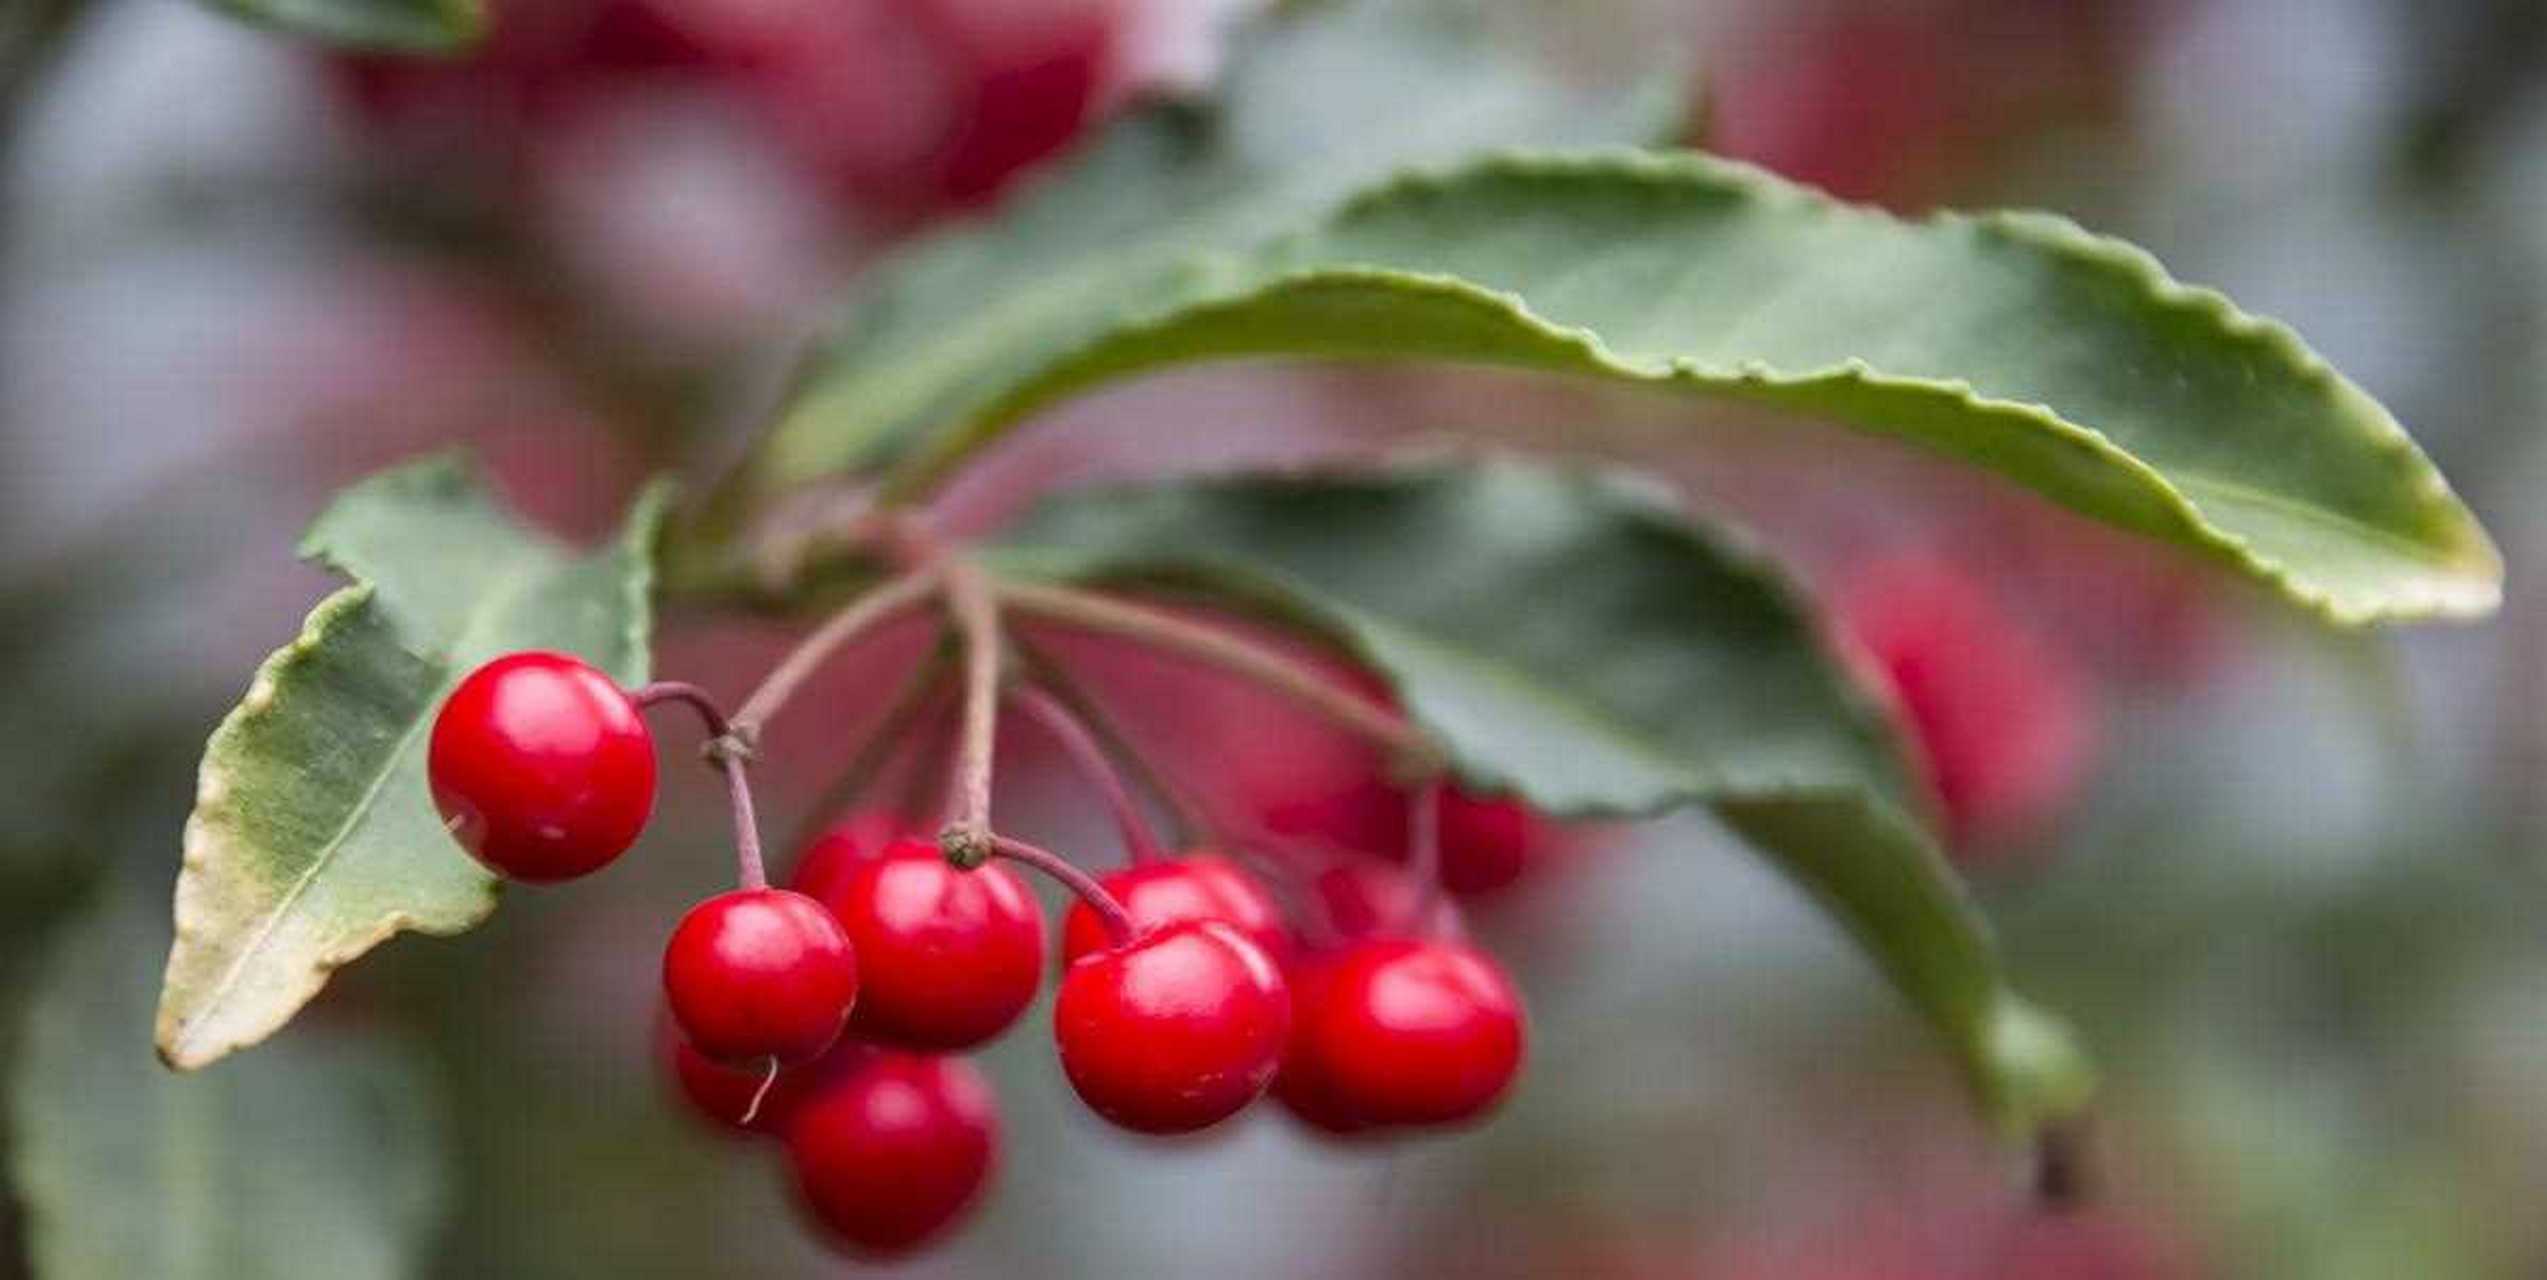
(890, 1150)
(1174, 1031)
(760, 973)
(828, 862)
(948, 958)
(725, 1094)
(541, 766)
(1301, 1086)
(1198, 886)
(1405, 1032)
(1489, 843)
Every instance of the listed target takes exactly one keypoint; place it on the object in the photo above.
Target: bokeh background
(2287, 884)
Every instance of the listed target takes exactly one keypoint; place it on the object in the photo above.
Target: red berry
(1488, 843)
(541, 766)
(1174, 1031)
(1363, 897)
(890, 1150)
(723, 1094)
(1406, 1032)
(2003, 721)
(949, 958)
(1031, 76)
(760, 973)
(1199, 886)
(1300, 1086)
(1313, 792)
(827, 863)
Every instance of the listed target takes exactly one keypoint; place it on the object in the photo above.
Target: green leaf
(314, 837)
(1575, 640)
(324, 1162)
(2015, 342)
(1313, 108)
(401, 26)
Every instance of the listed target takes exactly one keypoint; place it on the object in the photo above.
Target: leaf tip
(2037, 1074)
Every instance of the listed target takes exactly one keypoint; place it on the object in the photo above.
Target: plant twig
(883, 743)
(730, 751)
(968, 828)
(1189, 826)
(855, 619)
(1139, 841)
(1301, 683)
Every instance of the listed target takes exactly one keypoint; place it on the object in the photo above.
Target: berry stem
(1279, 672)
(901, 715)
(1188, 824)
(976, 610)
(1066, 729)
(854, 619)
(1109, 909)
(1291, 871)
(1424, 855)
(732, 752)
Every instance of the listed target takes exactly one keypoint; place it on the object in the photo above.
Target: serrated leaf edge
(2467, 580)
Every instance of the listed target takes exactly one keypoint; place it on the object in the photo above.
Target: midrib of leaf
(497, 602)
(1555, 698)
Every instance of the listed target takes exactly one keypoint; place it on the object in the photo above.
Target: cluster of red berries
(829, 1013)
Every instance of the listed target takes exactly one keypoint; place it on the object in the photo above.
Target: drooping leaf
(325, 1161)
(1575, 640)
(314, 837)
(404, 26)
(2016, 342)
(1314, 107)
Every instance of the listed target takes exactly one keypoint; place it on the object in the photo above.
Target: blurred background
(2285, 883)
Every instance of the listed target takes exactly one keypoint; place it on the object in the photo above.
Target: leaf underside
(323, 1163)
(2016, 342)
(314, 837)
(1574, 640)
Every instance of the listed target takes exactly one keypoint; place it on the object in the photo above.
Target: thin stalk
(1189, 826)
(976, 610)
(1424, 854)
(731, 753)
(1109, 909)
(883, 743)
(855, 619)
(1139, 841)
(1266, 666)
